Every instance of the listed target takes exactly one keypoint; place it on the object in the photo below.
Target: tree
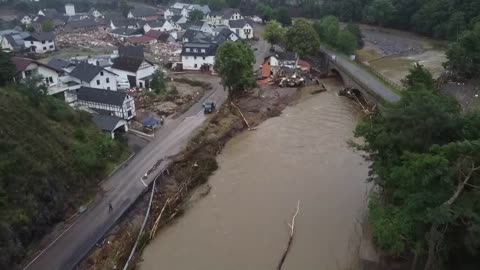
(425, 159)
(47, 26)
(265, 12)
(274, 32)
(463, 56)
(195, 15)
(234, 63)
(234, 3)
(158, 83)
(283, 17)
(418, 75)
(216, 4)
(456, 25)
(355, 30)
(30, 28)
(327, 29)
(346, 42)
(302, 38)
(380, 11)
(7, 68)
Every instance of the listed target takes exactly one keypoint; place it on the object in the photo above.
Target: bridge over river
(355, 77)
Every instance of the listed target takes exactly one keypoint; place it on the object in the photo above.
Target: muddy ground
(393, 52)
(190, 170)
(467, 93)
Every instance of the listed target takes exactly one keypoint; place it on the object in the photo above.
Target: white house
(198, 56)
(161, 25)
(26, 20)
(242, 28)
(69, 9)
(40, 42)
(94, 76)
(125, 32)
(13, 41)
(138, 71)
(278, 60)
(225, 34)
(52, 77)
(201, 26)
(116, 103)
(143, 13)
(223, 16)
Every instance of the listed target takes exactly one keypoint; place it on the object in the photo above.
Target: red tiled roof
(153, 33)
(141, 39)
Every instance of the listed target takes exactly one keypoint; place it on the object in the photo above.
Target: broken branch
(290, 239)
(244, 119)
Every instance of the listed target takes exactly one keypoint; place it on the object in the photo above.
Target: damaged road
(124, 187)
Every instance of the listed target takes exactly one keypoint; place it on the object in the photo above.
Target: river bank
(190, 169)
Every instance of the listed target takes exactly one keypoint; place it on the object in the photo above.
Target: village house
(223, 16)
(94, 76)
(177, 20)
(198, 55)
(277, 60)
(84, 25)
(124, 23)
(225, 34)
(161, 25)
(48, 12)
(196, 36)
(69, 9)
(108, 123)
(143, 13)
(40, 42)
(184, 10)
(125, 32)
(163, 37)
(201, 26)
(26, 20)
(54, 78)
(132, 65)
(13, 41)
(94, 13)
(38, 21)
(115, 103)
(242, 28)
(142, 40)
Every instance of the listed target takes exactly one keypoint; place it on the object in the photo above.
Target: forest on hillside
(51, 160)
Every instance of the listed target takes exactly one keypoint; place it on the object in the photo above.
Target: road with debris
(125, 186)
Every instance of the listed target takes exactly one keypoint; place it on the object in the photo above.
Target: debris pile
(86, 40)
(164, 52)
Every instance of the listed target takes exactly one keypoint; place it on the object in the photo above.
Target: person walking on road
(110, 207)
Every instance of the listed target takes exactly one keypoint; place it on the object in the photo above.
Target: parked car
(208, 107)
(123, 83)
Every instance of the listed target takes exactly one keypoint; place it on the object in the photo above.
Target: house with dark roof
(125, 32)
(185, 9)
(132, 66)
(84, 25)
(142, 40)
(198, 55)
(41, 42)
(60, 64)
(223, 16)
(225, 34)
(242, 28)
(178, 19)
(201, 26)
(54, 78)
(275, 61)
(109, 124)
(13, 41)
(143, 13)
(115, 103)
(161, 25)
(164, 37)
(196, 36)
(94, 76)
(48, 12)
(121, 22)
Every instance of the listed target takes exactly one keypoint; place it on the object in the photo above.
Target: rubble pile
(86, 39)
(164, 52)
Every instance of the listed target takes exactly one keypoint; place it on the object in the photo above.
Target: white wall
(145, 70)
(5, 45)
(69, 10)
(26, 20)
(41, 47)
(102, 79)
(49, 75)
(244, 33)
(189, 62)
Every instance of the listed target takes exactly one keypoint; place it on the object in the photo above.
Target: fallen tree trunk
(290, 239)
(244, 119)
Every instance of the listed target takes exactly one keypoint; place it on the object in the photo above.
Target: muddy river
(242, 223)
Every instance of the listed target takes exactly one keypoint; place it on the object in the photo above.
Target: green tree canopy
(7, 68)
(327, 29)
(47, 26)
(274, 32)
(195, 15)
(265, 11)
(158, 83)
(425, 160)
(346, 42)
(463, 57)
(283, 17)
(302, 38)
(456, 25)
(355, 30)
(234, 63)
(380, 11)
(418, 75)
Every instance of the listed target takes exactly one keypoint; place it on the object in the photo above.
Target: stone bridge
(356, 78)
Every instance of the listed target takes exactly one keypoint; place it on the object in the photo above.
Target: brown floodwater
(242, 223)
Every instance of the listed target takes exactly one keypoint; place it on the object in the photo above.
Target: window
(195, 58)
(101, 73)
(129, 113)
(28, 73)
(187, 49)
(44, 48)
(98, 82)
(50, 79)
(203, 50)
(43, 42)
(51, 46)
(195, 66)
(107, 80)
(204, 58)
(108, 88)
(195, 50)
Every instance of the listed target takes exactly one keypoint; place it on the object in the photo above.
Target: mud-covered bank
(190, 169)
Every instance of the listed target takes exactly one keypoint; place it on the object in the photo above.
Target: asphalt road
(363, 78)
(124, 187)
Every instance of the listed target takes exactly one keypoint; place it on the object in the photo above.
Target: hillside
(51, 159)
